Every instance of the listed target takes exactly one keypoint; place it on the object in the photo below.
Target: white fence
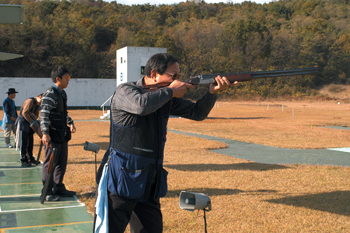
(81, 92)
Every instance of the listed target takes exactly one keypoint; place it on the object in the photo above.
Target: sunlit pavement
(274, 155)
(20, 207)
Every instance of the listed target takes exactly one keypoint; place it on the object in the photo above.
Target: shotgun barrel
(243, 77)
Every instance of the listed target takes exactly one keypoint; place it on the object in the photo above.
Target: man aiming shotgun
(139, 115)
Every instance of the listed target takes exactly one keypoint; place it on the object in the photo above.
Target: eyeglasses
(175, 76)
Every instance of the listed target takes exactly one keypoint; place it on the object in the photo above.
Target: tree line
(207, 38)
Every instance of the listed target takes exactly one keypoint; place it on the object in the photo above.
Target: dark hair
(159, 62)
(58, 71)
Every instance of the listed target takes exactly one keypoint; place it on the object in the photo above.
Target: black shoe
(51, 197)
(33, 161)
(63, 192)
(26, 164)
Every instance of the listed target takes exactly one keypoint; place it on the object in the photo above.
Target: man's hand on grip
(179, 88)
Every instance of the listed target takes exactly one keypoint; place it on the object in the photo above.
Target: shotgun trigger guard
(194, 81)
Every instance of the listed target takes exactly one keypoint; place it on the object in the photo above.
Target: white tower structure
(131, 62)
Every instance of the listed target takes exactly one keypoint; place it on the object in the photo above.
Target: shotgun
(243, 77)
(50, 169)
(240, 77)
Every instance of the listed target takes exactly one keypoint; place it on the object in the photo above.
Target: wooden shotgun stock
(50, 169)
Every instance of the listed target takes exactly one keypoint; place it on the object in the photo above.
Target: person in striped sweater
(56, 127)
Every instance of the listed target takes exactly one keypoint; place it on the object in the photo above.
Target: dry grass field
(246, 196)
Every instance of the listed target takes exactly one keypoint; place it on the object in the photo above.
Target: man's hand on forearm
(222, 84)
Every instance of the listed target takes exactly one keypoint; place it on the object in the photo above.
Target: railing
(103, 105)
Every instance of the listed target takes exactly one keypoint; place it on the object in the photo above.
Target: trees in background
(207, 38)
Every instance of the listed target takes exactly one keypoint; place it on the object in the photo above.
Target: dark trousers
(61, 164)
(27, 141)
(144, 217)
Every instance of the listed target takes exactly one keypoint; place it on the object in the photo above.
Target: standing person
(10, 116)
(29, 113)
(56, 127)
(139, 117)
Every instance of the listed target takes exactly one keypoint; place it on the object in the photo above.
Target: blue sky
(152, 2)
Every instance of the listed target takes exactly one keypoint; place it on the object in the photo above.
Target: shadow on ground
(333, 202)
(237, 118)
(225, 167)
(219, 192)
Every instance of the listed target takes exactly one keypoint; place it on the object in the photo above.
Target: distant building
(131, 62)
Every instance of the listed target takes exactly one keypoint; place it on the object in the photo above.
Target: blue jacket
(9, 108)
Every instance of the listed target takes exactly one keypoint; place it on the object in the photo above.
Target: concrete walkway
(275, 155)
(20, 207)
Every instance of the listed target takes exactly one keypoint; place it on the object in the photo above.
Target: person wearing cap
(28, 114)
(10, 116)
(56, 127)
